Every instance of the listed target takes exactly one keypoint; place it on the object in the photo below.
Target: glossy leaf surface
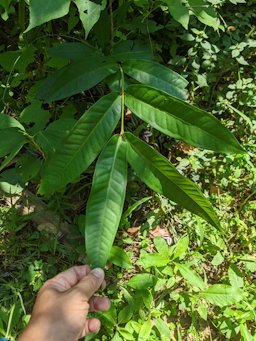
(179, 119)
(161, 176)
(105, 203)
(74, 78)
(84, 142)
(157, 76)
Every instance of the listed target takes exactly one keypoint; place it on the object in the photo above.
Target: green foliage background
(200, 284)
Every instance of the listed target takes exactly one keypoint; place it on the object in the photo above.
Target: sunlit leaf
(179, 119)
(105, 203)
(222, 294)
(156, 75)
(161, 176)
(82, 145)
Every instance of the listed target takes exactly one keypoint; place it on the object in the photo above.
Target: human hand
(62, 305)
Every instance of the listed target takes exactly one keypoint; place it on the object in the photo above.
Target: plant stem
(122, 99)
(32, 140)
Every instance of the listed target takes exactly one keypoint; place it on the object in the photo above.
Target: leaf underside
(180, 120)
(105, 203)
(161, 176)
(84, 142)
(156, 75)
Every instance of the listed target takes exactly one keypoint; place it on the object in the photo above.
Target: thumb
(91, 283)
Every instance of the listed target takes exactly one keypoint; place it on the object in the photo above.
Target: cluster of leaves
(198, 281)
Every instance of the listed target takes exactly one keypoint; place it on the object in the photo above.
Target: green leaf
(80, 148)
(163, 329)
(204, 12)
(222, 294)
(75, 51)
(106, 200)
(125, 314)
(11, 139)
(157, 76)
(7, 121)
(191, 276)
(89, 13)
(120, 258)
(245, 333)
(130, 49)
(148, 260)
(161, 176)
(179, 11)
(34, 114)
(74, 78)
(41, 13)
(181, 248)
(145, 331)
(179, 119)
(142, 281)
(53, 136)
(235, 276)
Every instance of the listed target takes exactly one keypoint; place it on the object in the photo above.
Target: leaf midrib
(174, 117)
(89, 136)
(150, 165)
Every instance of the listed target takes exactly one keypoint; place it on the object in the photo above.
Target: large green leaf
(222, 294)
(84, 142)
(156, 75)
(190, 276)
(75, 51)
(89, 13)
(160, 175)
(179, 119)
(43, 11)
(130, 49)
(105, 203)
(74, 78)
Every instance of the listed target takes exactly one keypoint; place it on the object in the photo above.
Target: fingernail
(98, 272)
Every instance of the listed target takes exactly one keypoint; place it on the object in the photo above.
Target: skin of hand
(63, 303)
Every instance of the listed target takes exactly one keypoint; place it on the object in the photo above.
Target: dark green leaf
(130, 49)
(83, 144)
(74, 78)
(179, 119)
(52, 137)
(161, 176)
(105, 203)
(75, 51)
(156, 75)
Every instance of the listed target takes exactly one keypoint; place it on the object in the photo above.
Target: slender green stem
(122, 98)
(32, 140)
